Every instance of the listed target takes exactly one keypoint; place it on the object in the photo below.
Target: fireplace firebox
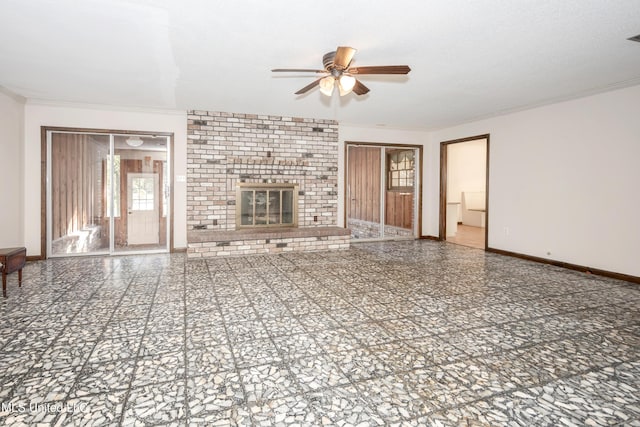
(266, 205)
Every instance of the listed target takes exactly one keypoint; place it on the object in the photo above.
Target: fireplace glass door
(266, 205)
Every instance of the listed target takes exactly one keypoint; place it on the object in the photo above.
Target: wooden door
(363, 191)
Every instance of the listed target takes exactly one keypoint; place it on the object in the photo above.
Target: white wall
(466, 168)
(378, 135)
(11, 156)
(39, 114)
(564, 180)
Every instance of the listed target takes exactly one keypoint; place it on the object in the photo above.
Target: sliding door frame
(44, 170)
(417, 228)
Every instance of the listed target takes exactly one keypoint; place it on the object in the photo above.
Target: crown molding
(133, 109)
(18, 98)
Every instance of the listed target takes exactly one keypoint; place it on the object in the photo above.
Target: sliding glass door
(141, 193)
(77, 212)
(382, 190)
(106, 193)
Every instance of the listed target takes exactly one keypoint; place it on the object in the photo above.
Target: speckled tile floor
(398, 333)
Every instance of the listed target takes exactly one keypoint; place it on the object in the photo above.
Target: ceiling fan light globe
(346, 84)
(326, 85)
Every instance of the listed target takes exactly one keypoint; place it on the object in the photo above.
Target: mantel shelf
(201, 236)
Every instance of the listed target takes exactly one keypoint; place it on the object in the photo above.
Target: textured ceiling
(469, 59)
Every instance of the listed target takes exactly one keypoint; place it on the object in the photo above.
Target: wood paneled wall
(364, 183)
(75, 175)
(399, 209)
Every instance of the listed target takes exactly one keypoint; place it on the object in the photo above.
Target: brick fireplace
(227, 152)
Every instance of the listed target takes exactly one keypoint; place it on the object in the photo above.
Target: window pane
(261, 207)
(287, 207)
(246, 208)
(401, 169)
(81, 184)
(274, 207)
(143, 196)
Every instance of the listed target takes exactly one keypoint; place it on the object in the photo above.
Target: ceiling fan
(337, 67)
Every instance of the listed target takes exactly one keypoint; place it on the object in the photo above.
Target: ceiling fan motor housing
(327, 60)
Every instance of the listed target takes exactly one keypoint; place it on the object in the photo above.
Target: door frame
(44, 166)
(418, 191)
(442, 236)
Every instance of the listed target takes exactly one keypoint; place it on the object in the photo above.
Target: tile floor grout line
(127, 395)
(187, 409)
(233, 355)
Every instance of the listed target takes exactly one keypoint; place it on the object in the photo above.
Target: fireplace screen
(266, 205)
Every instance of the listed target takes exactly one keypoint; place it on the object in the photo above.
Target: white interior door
(143, 221)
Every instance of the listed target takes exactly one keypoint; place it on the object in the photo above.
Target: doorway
(382, 197)
(464, 191)
(106, 192)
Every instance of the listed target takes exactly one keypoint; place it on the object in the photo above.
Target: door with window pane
(399, 196)
(142, 213)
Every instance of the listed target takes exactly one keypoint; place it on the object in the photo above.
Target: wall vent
(635, 38)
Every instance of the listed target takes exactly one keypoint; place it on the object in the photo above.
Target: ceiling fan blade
(310, 86)
(343, 57)
(359, 88)
(381, 69)
(297, 70)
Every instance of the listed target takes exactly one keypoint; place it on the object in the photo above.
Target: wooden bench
(12, 259)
